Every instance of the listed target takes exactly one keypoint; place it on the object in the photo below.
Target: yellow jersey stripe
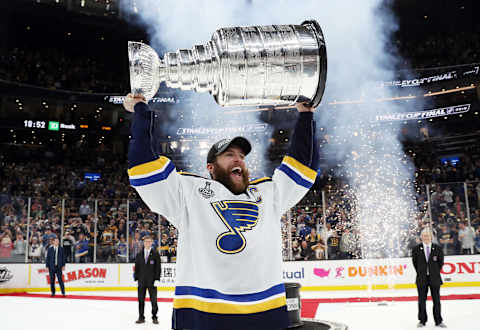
(306, 171)
(225, 308)
(148, 167)
(260, 180)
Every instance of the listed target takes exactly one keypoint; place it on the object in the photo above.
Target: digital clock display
(35, 123)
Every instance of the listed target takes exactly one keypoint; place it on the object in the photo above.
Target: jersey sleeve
(154, 177)
(298, 170)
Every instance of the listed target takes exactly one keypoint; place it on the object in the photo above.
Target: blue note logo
(238, 216)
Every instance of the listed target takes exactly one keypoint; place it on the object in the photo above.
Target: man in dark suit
(147, 271)
(56, 265)
(428, 261)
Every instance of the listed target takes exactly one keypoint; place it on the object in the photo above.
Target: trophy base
(311, 324)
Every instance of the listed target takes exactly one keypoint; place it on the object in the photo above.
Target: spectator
(81, 249)
(6, 246)
(306, 252)
(35, 251)
(19, 249)
(459, 207)
(135, 246)
(163, 249)
(84, 210)
(121, 249)
(446, 240)
(333, 244)
(347, 244)
(315, 242)
(68, 245)
(466, 236)
(477, 241)
(448, 196)
(48, 236)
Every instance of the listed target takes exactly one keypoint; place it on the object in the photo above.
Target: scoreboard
(49, 125)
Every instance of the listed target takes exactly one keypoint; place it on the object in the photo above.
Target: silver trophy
(254, 65)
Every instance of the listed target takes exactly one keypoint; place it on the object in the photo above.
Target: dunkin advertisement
(358, 274)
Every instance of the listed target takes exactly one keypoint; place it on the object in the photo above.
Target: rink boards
(374, 274)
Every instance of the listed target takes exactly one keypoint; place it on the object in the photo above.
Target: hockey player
(229, 260)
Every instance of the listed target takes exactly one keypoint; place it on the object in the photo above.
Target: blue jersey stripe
(154, 178)
(214, 294)
(187, 318)
(295, 176)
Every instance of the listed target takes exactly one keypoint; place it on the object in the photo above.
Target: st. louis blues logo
(238, 216)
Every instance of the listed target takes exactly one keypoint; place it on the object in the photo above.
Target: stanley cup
(255, 65)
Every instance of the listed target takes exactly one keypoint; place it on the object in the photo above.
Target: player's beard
(223, 175)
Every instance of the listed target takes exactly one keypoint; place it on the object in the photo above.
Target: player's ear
(210, 169)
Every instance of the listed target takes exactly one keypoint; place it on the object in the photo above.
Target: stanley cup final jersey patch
(206, 191)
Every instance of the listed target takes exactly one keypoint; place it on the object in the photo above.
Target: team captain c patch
(238, 216)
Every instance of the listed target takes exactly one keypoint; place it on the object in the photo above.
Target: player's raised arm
(300, 164)
(154, 177)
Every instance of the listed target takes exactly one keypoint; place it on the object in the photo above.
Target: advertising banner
(13, 276)
(425, 114)
(438, 75)
(78, 275)
(312, 275)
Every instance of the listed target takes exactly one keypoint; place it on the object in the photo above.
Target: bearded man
(229, 257)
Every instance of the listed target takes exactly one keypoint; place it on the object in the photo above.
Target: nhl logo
(5, 275)
(206, 191)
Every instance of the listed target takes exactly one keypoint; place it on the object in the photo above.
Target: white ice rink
(25, 313)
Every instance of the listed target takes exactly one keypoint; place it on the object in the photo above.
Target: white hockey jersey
(229, 256)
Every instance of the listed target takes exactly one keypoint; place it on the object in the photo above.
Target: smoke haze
(356, 34)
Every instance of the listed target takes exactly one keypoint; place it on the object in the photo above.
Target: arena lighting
(450, 91)
(106, 128)
(398, 98)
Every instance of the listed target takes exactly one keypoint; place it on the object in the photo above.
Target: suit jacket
(434, 264)
(147, 273)
(50, 262)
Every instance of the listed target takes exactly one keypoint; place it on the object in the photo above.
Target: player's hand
(303, 107)
(130, 101)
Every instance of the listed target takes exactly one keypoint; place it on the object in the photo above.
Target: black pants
(56, 271)
(422, 298)
(152, 292)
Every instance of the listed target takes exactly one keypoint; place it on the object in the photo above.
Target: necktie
(146, 257)
(56, 256)
(428, 252)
